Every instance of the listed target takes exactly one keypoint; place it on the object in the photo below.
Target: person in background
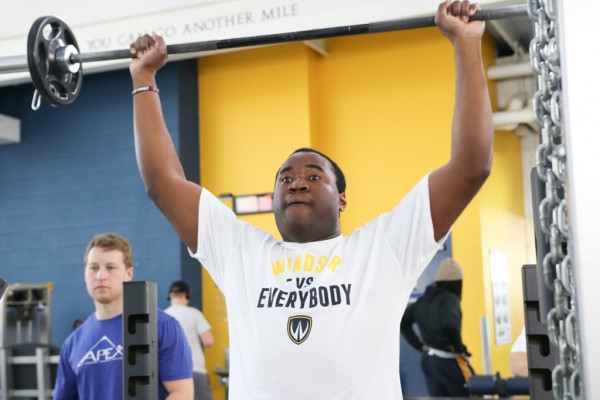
(438, 316)
(76, 324)
(517, 360)
(197, 332)
(91, 358)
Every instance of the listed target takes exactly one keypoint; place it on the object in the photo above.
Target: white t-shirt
(194, 324)
(318, 320)
(520, 345)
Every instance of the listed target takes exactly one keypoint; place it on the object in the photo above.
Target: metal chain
(551, 168)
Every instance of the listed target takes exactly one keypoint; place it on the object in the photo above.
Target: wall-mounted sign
(499, 276)
(250, 203)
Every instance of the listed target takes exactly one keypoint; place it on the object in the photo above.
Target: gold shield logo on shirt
(298, 328)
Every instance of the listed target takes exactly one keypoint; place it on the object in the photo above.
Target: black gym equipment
(495, 385)
(140, 340)
(54, 62)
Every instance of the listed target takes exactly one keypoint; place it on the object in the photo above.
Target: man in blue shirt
(91, 359)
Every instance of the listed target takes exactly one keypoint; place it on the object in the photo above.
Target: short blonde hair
(111, 241)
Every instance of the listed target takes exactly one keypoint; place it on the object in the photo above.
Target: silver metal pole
(312, 34)
(19, 63)
(486, 352)
(581, 123)
(13, 64)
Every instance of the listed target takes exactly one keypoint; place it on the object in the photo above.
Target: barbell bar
(55, 64)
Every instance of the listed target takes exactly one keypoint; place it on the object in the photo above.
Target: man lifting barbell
(318, 332)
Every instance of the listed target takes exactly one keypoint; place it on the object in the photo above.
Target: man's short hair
(340, 179)
(111, 241)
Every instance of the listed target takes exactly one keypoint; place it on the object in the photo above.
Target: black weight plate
(55, 84)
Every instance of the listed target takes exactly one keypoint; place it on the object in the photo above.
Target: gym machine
(28, 362)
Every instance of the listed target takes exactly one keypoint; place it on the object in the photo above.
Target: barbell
(55, 64)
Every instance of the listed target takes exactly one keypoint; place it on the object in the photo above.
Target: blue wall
(74, 175)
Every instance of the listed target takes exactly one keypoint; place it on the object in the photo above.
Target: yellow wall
(381, 106)
(504, 228)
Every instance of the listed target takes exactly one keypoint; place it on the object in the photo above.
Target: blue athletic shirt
(91, 359)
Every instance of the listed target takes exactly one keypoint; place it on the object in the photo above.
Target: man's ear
(342, 201)
(129, 273)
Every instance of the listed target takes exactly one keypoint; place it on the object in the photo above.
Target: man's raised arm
(454, 185)
(157, 159)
